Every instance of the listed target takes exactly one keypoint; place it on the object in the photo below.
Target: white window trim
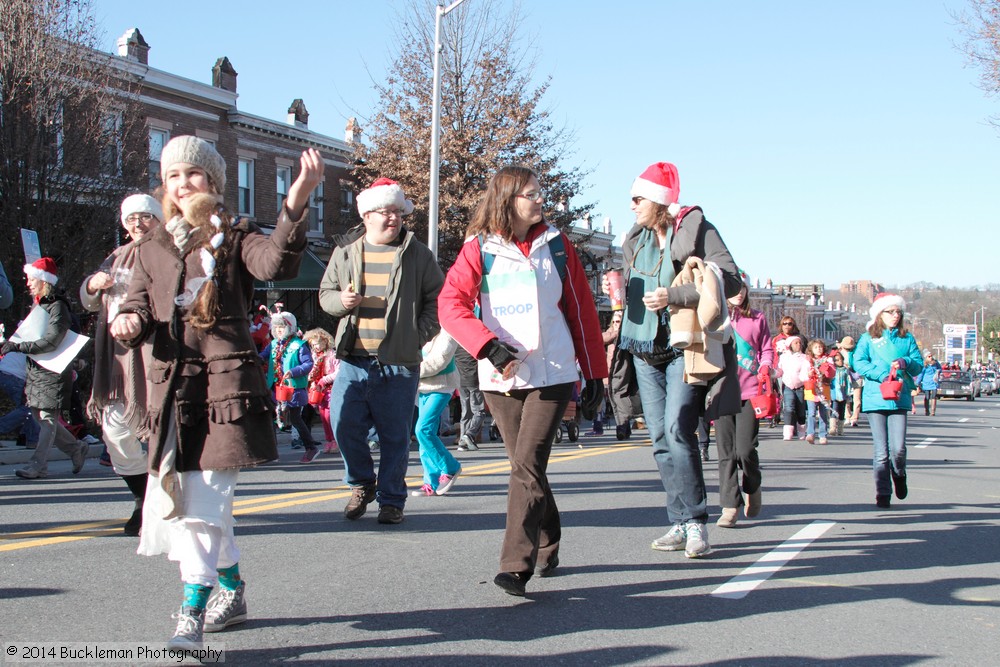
(251, 213)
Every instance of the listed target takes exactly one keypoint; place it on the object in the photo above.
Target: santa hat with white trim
(659, 183)
(384, 192)
(884, 300)
(42, 269)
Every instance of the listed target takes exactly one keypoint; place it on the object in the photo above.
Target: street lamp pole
(432, 221)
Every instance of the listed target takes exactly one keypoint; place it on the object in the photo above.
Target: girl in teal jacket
(885, 347)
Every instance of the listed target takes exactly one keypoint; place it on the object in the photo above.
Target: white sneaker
(674, 540)
(697, 541)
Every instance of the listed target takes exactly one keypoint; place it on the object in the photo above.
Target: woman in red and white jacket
(538, 319)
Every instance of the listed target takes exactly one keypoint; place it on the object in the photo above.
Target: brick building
(261, 158)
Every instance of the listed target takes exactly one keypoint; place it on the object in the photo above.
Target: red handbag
(891, 387)
(765, 404)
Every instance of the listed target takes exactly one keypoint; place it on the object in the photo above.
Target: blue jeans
(888, 429)
(817, 418)
(18, 419)
(367, 393)
(434, 456)
(671, 408)
(793, 409)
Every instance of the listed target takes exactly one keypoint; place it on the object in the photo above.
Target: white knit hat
(198, 152)
(384, 192)
(883, 301)
(659, 183)
(141, 204)
(42, 269)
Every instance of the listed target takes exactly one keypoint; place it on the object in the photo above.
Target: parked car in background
(958, 384)
(988, 383)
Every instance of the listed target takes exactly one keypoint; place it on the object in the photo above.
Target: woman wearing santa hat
(46, 392)
(887, 349)
(664, 237)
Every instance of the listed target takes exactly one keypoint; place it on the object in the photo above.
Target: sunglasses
(637, 200)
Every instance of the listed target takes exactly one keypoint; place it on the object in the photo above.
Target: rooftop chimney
(607, 225)
(352, 132)
(297, 114)
(223, 75)
(132, 46)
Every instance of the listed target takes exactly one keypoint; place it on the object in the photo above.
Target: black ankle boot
(137, 485)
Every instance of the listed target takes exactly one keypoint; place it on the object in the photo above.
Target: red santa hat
(884, 300)
(384, 192)
(42, 269)
(659, 183)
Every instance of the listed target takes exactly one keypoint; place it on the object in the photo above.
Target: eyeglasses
(893, 311)
(136, 217)
(389, 212)
(787, 324)
(533, 195)
(637, 200)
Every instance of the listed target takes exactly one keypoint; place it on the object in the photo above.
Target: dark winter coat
(43, 389)
(211, 382)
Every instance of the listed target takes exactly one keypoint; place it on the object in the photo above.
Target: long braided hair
(211, 230)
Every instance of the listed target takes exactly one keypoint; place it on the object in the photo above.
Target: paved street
(820, 578)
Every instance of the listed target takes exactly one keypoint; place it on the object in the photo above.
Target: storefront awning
(310, 273)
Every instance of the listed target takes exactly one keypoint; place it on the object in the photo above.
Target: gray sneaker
(697, 541)
(80, 456)
(467, 444)
(31, 471)
(674, 540)
(225, 608)
(187, 636)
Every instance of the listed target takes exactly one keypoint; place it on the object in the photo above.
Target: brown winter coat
(211, 382)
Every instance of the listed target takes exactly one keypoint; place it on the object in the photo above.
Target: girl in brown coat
(210, 412)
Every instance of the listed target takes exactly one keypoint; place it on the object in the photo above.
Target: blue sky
(828, 141)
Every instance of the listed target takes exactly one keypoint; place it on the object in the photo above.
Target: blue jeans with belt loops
(366, 393)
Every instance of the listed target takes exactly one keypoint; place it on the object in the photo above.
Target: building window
(346, 199)
(111, 150)
(157, 140)
(284, 182)
(246, 187)
(316, 209)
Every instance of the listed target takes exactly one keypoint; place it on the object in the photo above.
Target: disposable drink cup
(616, 289)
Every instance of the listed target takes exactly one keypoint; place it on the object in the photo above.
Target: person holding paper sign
(46, 391)
(537, 320)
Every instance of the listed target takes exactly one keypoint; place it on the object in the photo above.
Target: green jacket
(411, 319)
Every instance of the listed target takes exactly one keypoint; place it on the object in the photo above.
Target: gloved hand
(902, 363)
(591, 397)
(764, 372)
(499, 354)
(9, 346)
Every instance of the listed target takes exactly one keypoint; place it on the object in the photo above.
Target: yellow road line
(85, 531)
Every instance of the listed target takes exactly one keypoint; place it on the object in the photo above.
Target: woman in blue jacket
(885, 347)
